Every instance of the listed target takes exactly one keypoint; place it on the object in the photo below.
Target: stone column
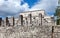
(13, 21)
(40, 18)
(0, 21)
(26, 21)
(30, 16)
(21, 17)
(52, 32)
(7, 21)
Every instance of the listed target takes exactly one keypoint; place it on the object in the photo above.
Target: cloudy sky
(14, 7)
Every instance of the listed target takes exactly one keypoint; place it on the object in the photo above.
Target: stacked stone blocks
(28, 27)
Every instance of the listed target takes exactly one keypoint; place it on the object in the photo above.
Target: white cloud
(1, 1)
(12, 7)
(47, 5)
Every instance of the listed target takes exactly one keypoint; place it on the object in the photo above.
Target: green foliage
(57, 13)
(58, 21)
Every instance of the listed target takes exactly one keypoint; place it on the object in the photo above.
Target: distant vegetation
(57, 13)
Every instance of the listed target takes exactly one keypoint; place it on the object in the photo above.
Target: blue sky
(14, 7)
(31, 2)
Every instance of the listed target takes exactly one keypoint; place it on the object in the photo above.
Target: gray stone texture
(26, 32)
(32, 26)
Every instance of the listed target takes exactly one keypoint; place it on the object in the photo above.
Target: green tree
(57, 13)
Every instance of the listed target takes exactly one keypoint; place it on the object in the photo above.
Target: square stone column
(21, 18)
(7, 21)
(30, 18)
(40, 18)
(0, 21)
(13, 19)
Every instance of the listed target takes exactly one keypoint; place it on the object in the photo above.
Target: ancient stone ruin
(30, 24)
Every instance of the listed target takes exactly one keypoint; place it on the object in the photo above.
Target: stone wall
(32, 26)
(26, 32)
(56, 33)
(30, 32)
